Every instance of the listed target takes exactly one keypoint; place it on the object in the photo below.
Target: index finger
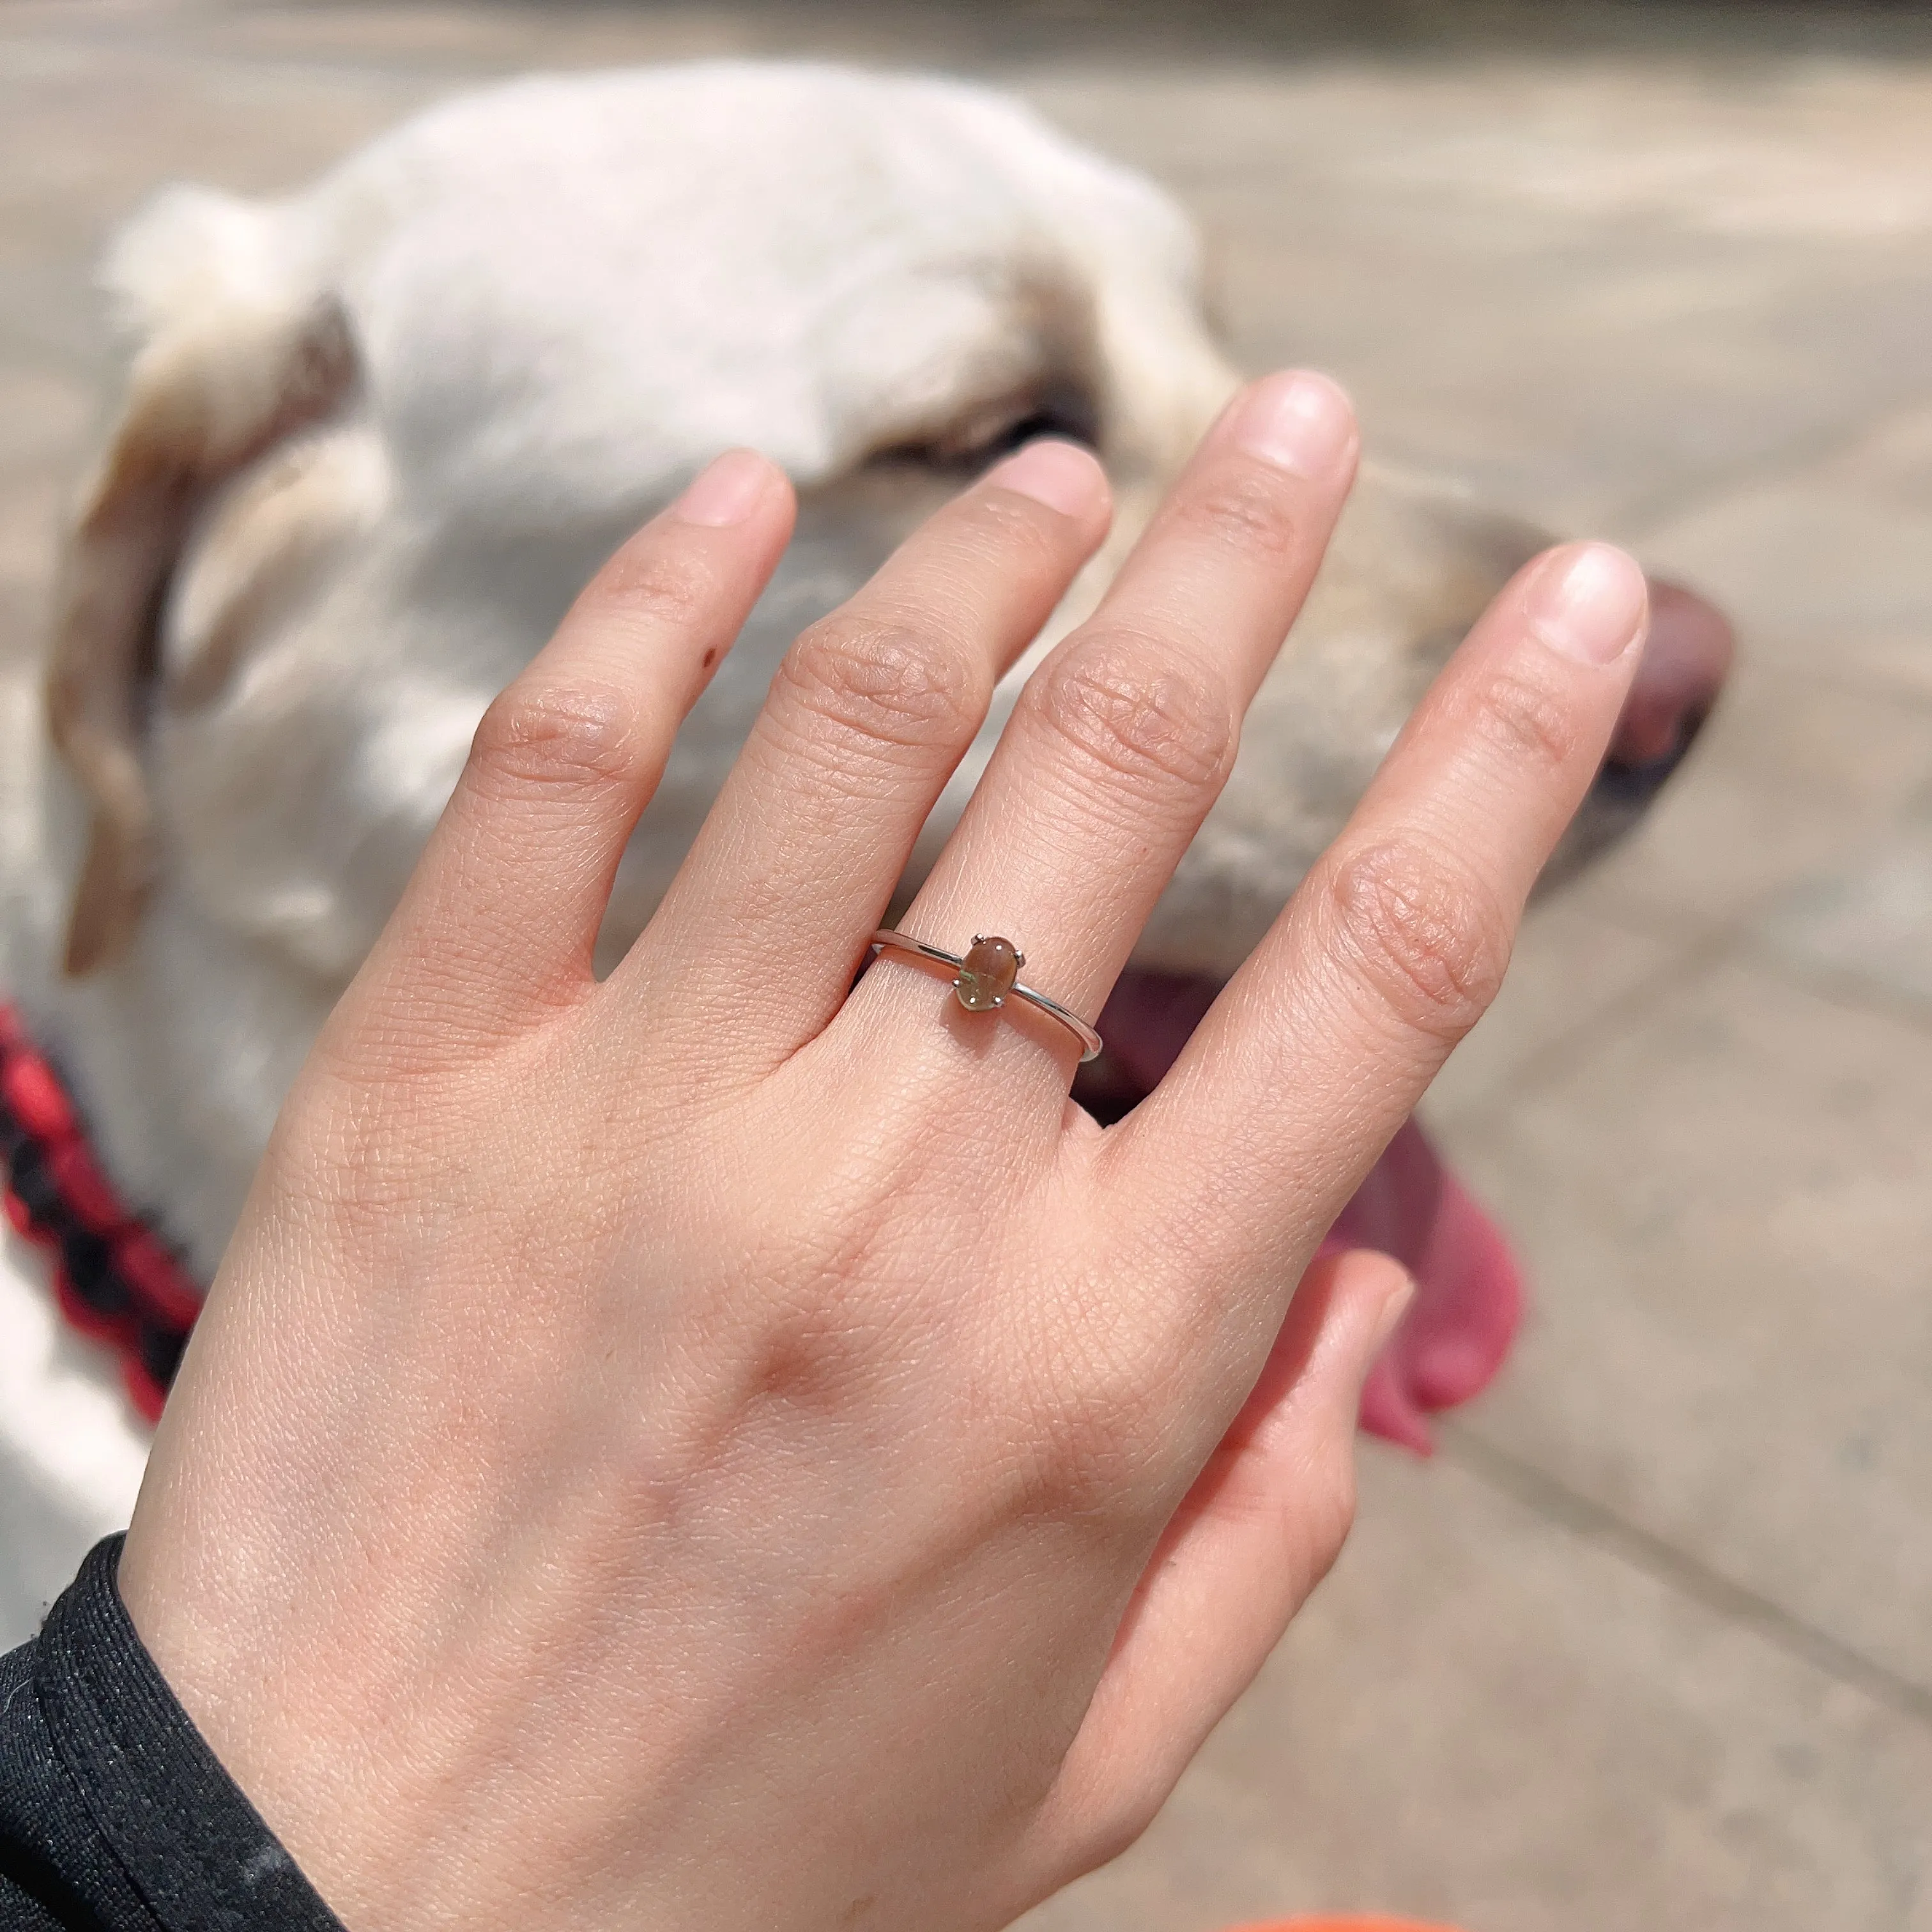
(1393, 946)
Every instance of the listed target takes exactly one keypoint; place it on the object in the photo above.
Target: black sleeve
(115, 1815)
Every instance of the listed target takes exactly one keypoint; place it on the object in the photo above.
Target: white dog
(376, 436)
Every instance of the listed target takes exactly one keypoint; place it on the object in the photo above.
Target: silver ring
(986, 974)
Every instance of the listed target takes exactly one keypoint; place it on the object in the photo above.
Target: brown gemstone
(986, 974)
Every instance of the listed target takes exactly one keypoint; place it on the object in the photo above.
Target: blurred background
(1649, 1642)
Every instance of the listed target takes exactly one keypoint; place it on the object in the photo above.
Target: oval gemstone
(986, 974)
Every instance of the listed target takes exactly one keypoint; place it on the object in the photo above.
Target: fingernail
(1393, 1309)
(725, 491)
(1298, 422)
(1589, 602)
(1059, 475)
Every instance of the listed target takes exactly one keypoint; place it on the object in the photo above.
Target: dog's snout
(1685, 662)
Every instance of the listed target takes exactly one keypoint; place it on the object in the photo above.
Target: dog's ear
(236, 347)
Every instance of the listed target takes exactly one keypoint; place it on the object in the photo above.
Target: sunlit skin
(717, 1447)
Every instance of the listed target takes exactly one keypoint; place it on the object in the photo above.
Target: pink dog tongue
(1468, 1290)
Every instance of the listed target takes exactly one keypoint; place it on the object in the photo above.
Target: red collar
(114, 1279)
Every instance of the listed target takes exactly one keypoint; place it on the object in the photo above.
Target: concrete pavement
(1650, 1643)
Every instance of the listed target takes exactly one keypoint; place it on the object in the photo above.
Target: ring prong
(982, 985)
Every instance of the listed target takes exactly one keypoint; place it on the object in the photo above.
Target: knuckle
(992, 525)
(556, 735)
(1422, 933)
(1245, 510)
(647, 591)
(1121, 1819)
(1146, 723)
(887, 685)
(1331, 1500)
(1524, 722)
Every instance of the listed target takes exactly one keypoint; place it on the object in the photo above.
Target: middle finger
(1124, 736)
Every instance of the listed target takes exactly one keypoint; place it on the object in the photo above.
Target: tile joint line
(1669, 1565)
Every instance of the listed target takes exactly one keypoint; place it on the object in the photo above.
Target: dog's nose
(1685, 664)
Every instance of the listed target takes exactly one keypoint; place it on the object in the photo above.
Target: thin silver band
(1090, 1040)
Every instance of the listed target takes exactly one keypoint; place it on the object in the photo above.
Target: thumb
(1260, 1528)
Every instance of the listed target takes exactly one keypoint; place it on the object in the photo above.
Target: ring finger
(1124, 736)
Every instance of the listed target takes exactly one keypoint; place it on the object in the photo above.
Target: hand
(720, 1446)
